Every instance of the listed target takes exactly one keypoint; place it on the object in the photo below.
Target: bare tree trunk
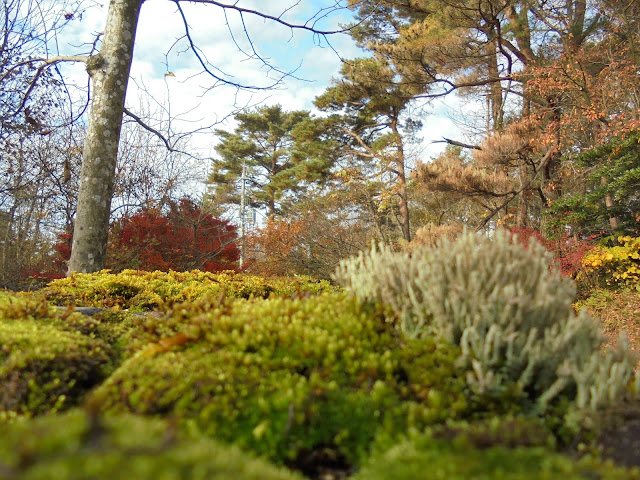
(403, 198)
(614, 223)
(109, 71)
(403, 195)
(496, 107)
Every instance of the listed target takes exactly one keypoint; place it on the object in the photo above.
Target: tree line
(551, 106)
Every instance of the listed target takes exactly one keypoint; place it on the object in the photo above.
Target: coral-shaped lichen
(508, 309)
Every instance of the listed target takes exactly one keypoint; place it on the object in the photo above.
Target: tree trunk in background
(496, 107)
(403, 199)
(614, 223)
(109, 71)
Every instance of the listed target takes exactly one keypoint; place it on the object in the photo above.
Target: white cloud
(161, 48)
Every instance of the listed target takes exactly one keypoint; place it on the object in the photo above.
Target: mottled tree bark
(109, 71)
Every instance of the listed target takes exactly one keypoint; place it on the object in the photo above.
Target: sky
(167, 79)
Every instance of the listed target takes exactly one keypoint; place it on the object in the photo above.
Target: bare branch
(45, 62)
(141, 122)
(457, 143)
(451, 86)
(305, 26)
(370, 152)
(205, 65)
(541, 164)
(170, 146)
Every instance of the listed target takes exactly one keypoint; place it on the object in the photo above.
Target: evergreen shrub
(72, 447)
(282, 376)
(613, 267)
(508, 309)
(139, 290)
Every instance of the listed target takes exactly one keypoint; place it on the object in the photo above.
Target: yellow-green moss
(140, 290)
(459, 458)
(45, 365)
(45, 369)
(68, 447)
(280, 376)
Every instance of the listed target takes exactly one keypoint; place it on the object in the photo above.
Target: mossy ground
(73, 446)
(46, 363)
(281, 376)
(140, 291)
(459, 459)
(307, 378)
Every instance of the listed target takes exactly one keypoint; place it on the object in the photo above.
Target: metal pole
(242, 214)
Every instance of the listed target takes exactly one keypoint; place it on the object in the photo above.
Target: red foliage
(184, 238)
(40, 274)
(567, 251)
(48, 267)
(63, 251)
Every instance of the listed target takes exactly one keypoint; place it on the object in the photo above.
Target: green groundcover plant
(459, 459)
(287, 369)
(46, 363)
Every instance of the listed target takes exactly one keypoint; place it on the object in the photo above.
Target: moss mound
(72, 447)
(283, 377)
(460, 458)
(139, 290)
(44, 368)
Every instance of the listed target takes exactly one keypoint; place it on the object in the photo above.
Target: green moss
(507, 431)
(43, 367)
(282, 376)
(140, 290)
(459, 458)
(68, 447)
(116, 328)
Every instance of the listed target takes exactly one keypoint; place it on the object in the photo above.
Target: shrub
(183, 238)
(506, 307)
(69, 447)
(568, 252)
(44, 368)
(617, 266)
(283, 377)
(140, 290)
(459, 458)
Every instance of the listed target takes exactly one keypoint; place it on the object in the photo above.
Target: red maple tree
(183, 238)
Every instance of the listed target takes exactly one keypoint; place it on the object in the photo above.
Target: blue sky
(187, 95)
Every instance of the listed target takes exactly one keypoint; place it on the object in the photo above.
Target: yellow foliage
(618, 265)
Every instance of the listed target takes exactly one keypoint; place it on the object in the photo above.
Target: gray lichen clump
(509, 310)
